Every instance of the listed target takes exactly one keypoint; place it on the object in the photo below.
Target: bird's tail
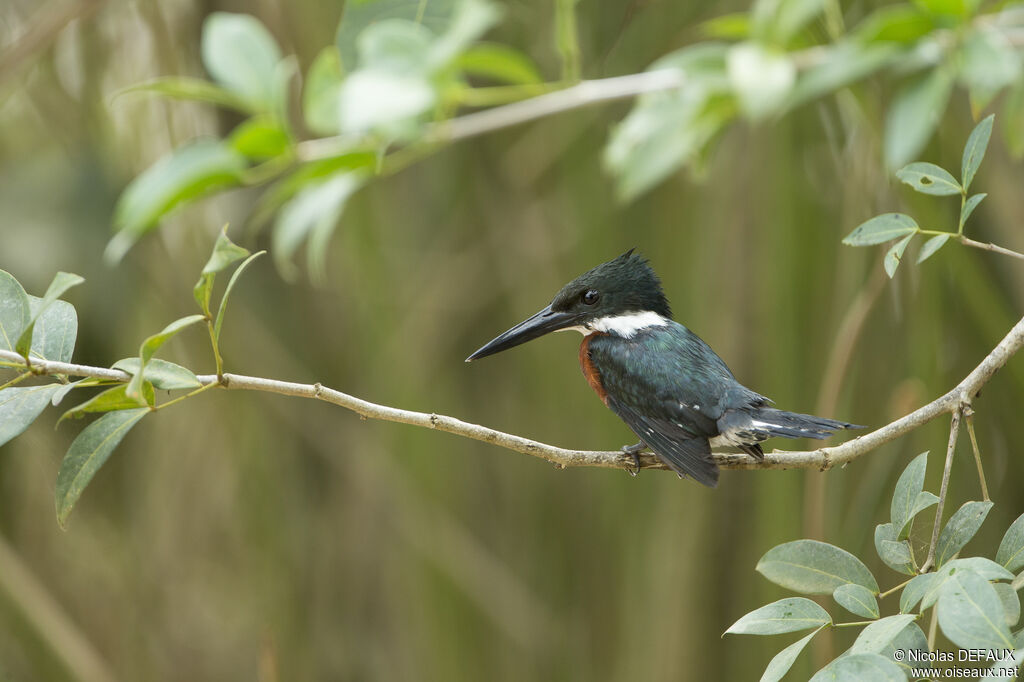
(781, 424)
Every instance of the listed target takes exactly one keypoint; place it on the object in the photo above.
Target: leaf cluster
(975, 599)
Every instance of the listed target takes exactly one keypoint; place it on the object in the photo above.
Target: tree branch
(822, 458)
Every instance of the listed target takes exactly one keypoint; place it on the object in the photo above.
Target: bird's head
(619, 297)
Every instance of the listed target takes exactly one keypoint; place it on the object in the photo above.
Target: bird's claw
(634, 451)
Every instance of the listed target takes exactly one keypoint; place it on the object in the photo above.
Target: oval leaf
(974, 150)
(969, 206)
(895, 255)
(915, 591)
(785, 615)
(14, 310)
(931, 246)
(814, 567)
(971, 614)
(1011, 602)
(111, 400)
(986, 568)
(911, 638)
(499, 63)
(913, 116)
(895, 553)
(783, 661)
(241, 55)
(857, 599)
(89, 451)
(881, 229)
(927, 178)
(860, 667)
(62, 281)
(910, 483)
(164, 375)
(960, 528)
(1011, 549)
(1006, 668)
(185, 174)
(180, 87)
(19, 407)
(876, 637)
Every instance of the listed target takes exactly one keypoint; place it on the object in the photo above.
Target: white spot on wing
(629, 324)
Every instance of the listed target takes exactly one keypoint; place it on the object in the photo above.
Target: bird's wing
(669, 373)
(674, 445)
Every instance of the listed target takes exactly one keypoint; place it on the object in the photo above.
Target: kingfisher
(663, 380)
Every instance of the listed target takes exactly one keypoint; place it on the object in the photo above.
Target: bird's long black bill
(542, 323)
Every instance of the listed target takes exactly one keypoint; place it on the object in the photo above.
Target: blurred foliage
(252, 536)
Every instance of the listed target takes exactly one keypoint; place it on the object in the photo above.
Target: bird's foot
(634, 451)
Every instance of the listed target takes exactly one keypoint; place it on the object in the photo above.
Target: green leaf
(151, 345)
(988, 64)
(358, 15)
(15, 310)
(895, 254)
(813, 567)
(164, 375)
(911, 638)
(111, 400)
(878, 636)
(225, 252)
(181, 87)
(761, 78)
(860, 667)
(321, 92)
(927, 178)
(857, 599)
(974, 150)
(931, 246)
(779, 20)
(383, 102)
(315, 209)
(472, 18)
(960, 528)
(895, 553)
(20, 406)
(260, 138)
(1011, 549)
(222, 308)
(783, 661)
(187, 173)
(498, 63)
(901, 24)
(1011, 602)
(913, 116)
(733, 26)
(970, 613)
(241, 55)
(62, 281)
(969, 206)
(904, 497)
(786, 615)
(1013, 120)
(1006, 668)
(841, 65)
(55, 331)
(89, 451)
(915, 591)
(881, 229)
(986, 568)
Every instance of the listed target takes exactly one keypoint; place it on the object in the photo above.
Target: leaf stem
(852, 623)
(963, 202)
(954, 429)
(969, 414)
(566, 39)
(17, 380)
(885, 594)
(216, 348)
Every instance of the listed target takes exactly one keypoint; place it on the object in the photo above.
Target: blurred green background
(251, 536)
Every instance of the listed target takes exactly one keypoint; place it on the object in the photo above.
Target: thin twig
(822, 459)
(954, 430)
(16, 380)
(967, 241)
(583, 94)
(969, 415)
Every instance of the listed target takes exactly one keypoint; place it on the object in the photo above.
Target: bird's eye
(590, 297)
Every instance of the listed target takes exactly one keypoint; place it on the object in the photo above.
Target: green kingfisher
(664, 381)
